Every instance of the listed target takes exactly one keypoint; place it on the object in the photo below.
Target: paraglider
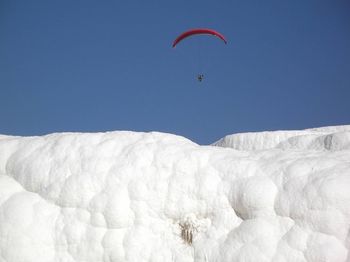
(199, 31)
(200, 77)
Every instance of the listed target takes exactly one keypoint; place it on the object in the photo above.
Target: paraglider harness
(200, 77)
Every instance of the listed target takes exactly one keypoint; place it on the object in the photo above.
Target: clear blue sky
(108, 65)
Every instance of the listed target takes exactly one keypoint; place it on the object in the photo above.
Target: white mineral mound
(127, 196)
(329, 138)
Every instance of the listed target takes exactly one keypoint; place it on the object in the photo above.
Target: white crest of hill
(136, 197)
(328, 138)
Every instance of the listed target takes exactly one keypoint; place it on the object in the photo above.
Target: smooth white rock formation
(126, 196)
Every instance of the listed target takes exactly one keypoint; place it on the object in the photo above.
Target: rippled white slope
(127, 196)
(329, 138)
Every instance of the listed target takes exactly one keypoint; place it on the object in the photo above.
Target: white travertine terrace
(128, 196)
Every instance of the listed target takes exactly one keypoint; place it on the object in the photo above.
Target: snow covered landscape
(131, 196)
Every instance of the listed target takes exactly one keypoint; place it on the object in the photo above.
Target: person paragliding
(198, 31)
(200, 77)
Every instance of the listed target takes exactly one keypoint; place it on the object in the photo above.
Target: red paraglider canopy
(198, 31)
